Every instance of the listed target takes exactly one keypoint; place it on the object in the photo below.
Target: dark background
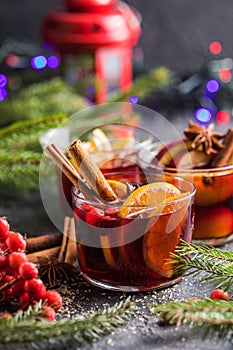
(176, 33)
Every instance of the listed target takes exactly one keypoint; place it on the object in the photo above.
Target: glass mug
(131, 253)
(213, 224)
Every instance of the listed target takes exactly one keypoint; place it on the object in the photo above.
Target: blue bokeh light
(3, 94)
(38, 62)
(3, 81)
(53, 62)
(212, 86)
(203, 115)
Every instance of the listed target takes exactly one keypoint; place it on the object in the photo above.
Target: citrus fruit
(120, 188)
(149, 199)
(158, 243)
(100, 141)
(163, 234)
(128, 142)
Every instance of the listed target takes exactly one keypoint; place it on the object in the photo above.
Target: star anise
(50, 270)
(206, 137)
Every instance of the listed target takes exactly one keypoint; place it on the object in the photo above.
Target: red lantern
(95, 39)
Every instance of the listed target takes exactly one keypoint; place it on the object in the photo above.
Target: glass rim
(117, 204)
(192, 171)
(180, 170)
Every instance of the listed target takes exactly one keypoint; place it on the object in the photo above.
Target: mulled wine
(205, 157)
(126, 244)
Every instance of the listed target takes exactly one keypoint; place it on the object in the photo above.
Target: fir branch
(19, 177)
(213, 317)
(216, 263)
(22, 329)
(42, 123)
(39, 99)
(156, 79)
(24, 157)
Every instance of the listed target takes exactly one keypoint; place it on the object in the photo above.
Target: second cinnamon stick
(35, 244)
(48, 253)
(224, 155)
(90, 171)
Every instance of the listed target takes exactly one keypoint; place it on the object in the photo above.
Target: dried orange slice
(148, 199)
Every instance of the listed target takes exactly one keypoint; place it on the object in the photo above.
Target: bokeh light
(53, 62)
(223, 117)
(3, 81)
(215, 47)
(133, 99)
(12, 60)
(212, 86)
(38, 62)
(3, 94)
(203, 115)
(225, 75)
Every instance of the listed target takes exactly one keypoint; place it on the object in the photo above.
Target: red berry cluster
(19, 278)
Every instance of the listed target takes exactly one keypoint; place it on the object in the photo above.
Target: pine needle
(213, 317)
(23, 328)
(39, 99)
(216, 263)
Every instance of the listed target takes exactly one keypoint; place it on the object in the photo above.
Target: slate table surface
(142, 332)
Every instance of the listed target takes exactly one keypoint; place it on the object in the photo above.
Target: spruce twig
(22, 329)
(216, 263)
(213, 317)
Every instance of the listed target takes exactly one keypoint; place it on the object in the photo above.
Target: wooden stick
(63, 163)
(90, 171)
(62, 250)
(71, 248)
(225, 154)
(35, 244)
(48, 253)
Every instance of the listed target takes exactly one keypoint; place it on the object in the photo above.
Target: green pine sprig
(49, 97)
(23, 327)
(156, 79)
(213, 317)
(216, 264)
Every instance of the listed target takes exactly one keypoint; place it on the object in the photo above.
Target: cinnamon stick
(35, 244)
(63, 163)
(71, 248)
(90, 171)
(61, 254)
(49, 253)
(223, 156)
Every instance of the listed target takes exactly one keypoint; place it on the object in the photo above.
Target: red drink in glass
(131, 253)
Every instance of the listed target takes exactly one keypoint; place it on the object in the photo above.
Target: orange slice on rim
(120, 188)
(148, 200)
